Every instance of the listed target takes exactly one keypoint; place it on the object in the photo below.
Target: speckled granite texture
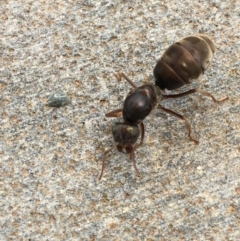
(51, 158)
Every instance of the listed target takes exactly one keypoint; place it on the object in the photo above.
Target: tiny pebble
(58, 100)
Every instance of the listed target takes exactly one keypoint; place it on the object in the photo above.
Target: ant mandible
(182, 62)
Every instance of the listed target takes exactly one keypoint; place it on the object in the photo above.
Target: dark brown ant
(182, 62)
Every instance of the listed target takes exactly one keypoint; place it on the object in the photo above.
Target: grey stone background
(51, 158)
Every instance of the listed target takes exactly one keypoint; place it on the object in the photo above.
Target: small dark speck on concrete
(58, 100)
(235, 109)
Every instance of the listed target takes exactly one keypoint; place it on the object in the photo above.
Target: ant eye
(119, 147)
(128, 149)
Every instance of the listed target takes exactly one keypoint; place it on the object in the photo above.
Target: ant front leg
(119, 77)
(142, 136)
(104, 159)
(205, 93)
(132, 154)
(187, 124)
(132, 157)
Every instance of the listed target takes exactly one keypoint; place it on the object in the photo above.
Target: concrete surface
(51, 158)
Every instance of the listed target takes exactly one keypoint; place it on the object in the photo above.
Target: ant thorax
(140, 102)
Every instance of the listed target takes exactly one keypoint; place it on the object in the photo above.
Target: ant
(182, 62)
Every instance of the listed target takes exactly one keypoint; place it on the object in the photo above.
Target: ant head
(125, 135)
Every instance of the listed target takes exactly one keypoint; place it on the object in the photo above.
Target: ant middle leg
(119, 77)
(187, 124)
(203, 92)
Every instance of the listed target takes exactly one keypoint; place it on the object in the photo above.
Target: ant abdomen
(184, 61)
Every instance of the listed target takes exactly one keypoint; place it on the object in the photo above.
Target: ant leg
(114, 113)
(209, 95)
(142, 136)
(132, 157)
(104, 158)
(120, 75)
(187, 124)
(205, 93)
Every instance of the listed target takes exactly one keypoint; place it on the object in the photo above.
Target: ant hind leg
(203, 92)
(187, 124)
